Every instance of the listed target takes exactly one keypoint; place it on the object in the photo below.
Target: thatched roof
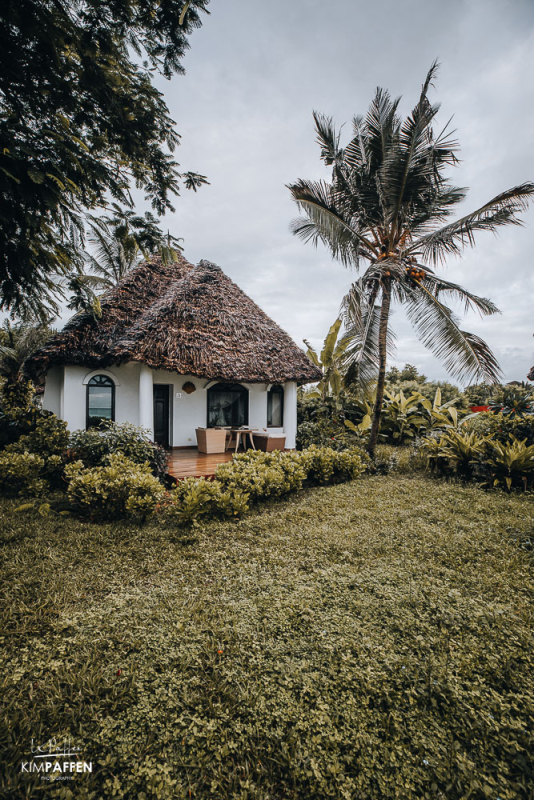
(189, 319)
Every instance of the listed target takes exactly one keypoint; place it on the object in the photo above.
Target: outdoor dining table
(241, 435)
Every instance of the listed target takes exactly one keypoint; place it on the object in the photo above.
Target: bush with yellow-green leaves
(120, 488)
(21, 474)
(493, 463)
(254, 477)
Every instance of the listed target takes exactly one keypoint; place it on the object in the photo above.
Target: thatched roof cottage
(177, 347)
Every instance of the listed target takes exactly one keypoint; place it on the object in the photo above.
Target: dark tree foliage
(407, 373)
(80, 121)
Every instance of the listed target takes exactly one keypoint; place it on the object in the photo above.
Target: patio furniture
(241, 436)
(211, 440)
(269, 441)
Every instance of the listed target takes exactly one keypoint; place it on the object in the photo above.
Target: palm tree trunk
(382, 362)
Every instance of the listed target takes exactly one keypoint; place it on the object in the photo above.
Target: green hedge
(95, 445)
(254, 476)
(120, 488)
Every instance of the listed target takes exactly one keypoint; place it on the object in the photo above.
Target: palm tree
(122, 241)
(387, 205)
(18, 341)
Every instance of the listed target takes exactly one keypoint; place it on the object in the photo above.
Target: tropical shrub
(255, 476)
(501, 427)
(514, 401)
(410, 381)
(48, 437)
(511, 464)
(402, 417)
(322, 421)
(454, 453)
(197, 498)
(119, 488)
(320, 433)
(264, 475)
(18, 414)
(16, 396)
(328, 433)
(21, 474)
(94, 446)
(479, 394)
(492, 462)
(325, 465)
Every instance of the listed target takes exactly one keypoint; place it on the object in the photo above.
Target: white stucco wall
(66, 392)
(54, 391)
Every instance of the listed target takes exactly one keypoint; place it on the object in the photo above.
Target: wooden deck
(191, 463)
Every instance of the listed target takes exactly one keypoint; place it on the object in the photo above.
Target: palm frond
(324, 222)
(471, 302)
(327, 138)
(379, 128)
(409, 166)
(361, 318)
(452, 238)
(430, 215)
(464, 355)
(22, 340)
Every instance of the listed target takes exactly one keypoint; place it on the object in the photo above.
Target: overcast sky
(255, 72)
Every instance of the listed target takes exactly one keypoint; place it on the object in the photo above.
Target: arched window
(227, 405)
(275, 407)
(100, 400)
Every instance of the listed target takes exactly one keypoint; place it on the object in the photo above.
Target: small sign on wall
(178, 395)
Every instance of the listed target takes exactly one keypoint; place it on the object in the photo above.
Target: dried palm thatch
(189, 319)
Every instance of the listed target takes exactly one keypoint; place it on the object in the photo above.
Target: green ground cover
(367, 640)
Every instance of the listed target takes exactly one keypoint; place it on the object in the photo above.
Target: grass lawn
(369, 640)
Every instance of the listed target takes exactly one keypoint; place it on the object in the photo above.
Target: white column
(146, 400)
(290, 414)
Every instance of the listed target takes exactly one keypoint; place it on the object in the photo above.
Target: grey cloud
(255, 72)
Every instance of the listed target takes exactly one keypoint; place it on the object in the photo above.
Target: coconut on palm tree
(387, 206)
